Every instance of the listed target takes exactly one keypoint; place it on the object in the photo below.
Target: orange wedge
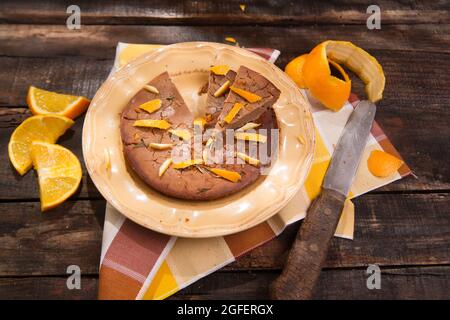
(46, 102)
(59, 173)
(382, 164)
(46, 128)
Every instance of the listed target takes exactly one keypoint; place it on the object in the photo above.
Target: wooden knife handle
(309, 250)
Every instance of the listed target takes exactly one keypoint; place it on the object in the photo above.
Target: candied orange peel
(151, 106)
(200, 123)
(382, 164)
(149, 123)
(230, 39)
(181, 133)
(247, 95)
(188, 163)
(233, 112)
(220, 70)
(226, 174)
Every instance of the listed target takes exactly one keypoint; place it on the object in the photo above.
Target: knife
(309, 250)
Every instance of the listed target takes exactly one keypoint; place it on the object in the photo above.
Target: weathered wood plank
(47, 288)
(100, 41)
(224, 12)
(32, 243)
(403, 283)
(400, 283)
(406, 112)
(391, 230)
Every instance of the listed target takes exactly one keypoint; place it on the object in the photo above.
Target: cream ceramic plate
(188, 65)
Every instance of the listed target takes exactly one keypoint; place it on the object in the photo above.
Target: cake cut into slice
(214, 101)
(171, 106)
(173, 110)
(254, 92)
(154, 154)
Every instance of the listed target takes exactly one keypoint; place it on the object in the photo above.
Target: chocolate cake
(214, 104)
(254, 83)
(198, 181)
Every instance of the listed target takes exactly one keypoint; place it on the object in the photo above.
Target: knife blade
(309, 250)
(349, 149)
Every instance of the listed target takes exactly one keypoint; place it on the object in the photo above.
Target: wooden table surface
(403, 227)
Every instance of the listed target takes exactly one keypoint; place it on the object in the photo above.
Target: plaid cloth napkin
(137, 263)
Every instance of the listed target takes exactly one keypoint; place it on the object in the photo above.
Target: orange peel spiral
(313, 71)
(331, 91)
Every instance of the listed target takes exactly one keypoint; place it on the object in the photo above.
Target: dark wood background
(404, 227)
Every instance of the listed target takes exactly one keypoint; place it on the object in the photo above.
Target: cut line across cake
(168, 148)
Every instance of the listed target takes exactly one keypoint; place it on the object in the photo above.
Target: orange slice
(247, 95)
(382, 164)
(46, 128)
(226, 174)
(46, 102)
(294, 70)
(59, 173)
